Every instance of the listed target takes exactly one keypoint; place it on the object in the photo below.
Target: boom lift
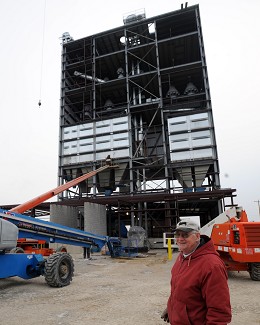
(40, 246)
(237, 240)
(58, 268)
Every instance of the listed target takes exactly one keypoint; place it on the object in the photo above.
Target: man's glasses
(183, 234)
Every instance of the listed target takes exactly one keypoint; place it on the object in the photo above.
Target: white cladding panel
(190, 122)
(90, 157)
(192, 154)
(178, 124)
(203, 153)
(85, 130)
(70, 132)
(101, 127)
(199, 121)
(120, 124)
(108, 137)
(179, 141)
(85, 145)
(70, 148)
(113, 154)
(187, 135)
(201, 139)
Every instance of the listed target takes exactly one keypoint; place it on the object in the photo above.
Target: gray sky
(29, 134)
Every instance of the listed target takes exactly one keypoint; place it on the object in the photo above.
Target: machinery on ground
(58, 268)
(237, 240)
(35, 246)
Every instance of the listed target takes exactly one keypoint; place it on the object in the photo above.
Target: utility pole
(258, 202)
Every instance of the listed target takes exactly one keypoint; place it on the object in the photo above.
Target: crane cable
(43, 35)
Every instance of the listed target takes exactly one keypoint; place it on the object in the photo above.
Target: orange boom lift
(237, 240)
(33, 246)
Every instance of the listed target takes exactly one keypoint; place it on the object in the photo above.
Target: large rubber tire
(255, 271)
(59, 270)
(17, 250)
(61, 249)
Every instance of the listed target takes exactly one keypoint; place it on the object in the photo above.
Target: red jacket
(199, 289)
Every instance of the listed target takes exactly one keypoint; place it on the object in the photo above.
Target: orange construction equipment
(42, 198)
(25, 245)
(34, 246)
(238, 243)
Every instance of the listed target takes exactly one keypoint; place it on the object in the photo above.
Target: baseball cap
(187, 226)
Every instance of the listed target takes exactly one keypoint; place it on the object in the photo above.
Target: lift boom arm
(39, 199)
(58, 268)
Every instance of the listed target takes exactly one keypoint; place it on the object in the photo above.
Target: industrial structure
(139, 95)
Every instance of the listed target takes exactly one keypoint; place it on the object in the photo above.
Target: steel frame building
(139, 94)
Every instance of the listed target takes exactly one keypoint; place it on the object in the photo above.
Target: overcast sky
(30, 70)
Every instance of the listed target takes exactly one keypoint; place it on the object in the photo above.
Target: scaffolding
(140, 94)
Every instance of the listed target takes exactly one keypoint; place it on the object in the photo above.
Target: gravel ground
(112, 292)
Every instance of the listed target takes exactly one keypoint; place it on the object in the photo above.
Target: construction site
(138, 94)
(137, 154)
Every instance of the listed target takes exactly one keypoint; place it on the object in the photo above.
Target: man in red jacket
(199, 288)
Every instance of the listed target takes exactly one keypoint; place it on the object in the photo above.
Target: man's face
(187, 241)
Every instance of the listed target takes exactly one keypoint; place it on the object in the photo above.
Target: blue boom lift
(58, 268)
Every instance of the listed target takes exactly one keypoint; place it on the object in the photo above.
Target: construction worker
(199, 289)
(108, 160)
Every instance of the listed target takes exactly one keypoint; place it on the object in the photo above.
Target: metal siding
(191, 137)
(111, 139)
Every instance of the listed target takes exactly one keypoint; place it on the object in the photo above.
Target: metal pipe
(85, 76)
